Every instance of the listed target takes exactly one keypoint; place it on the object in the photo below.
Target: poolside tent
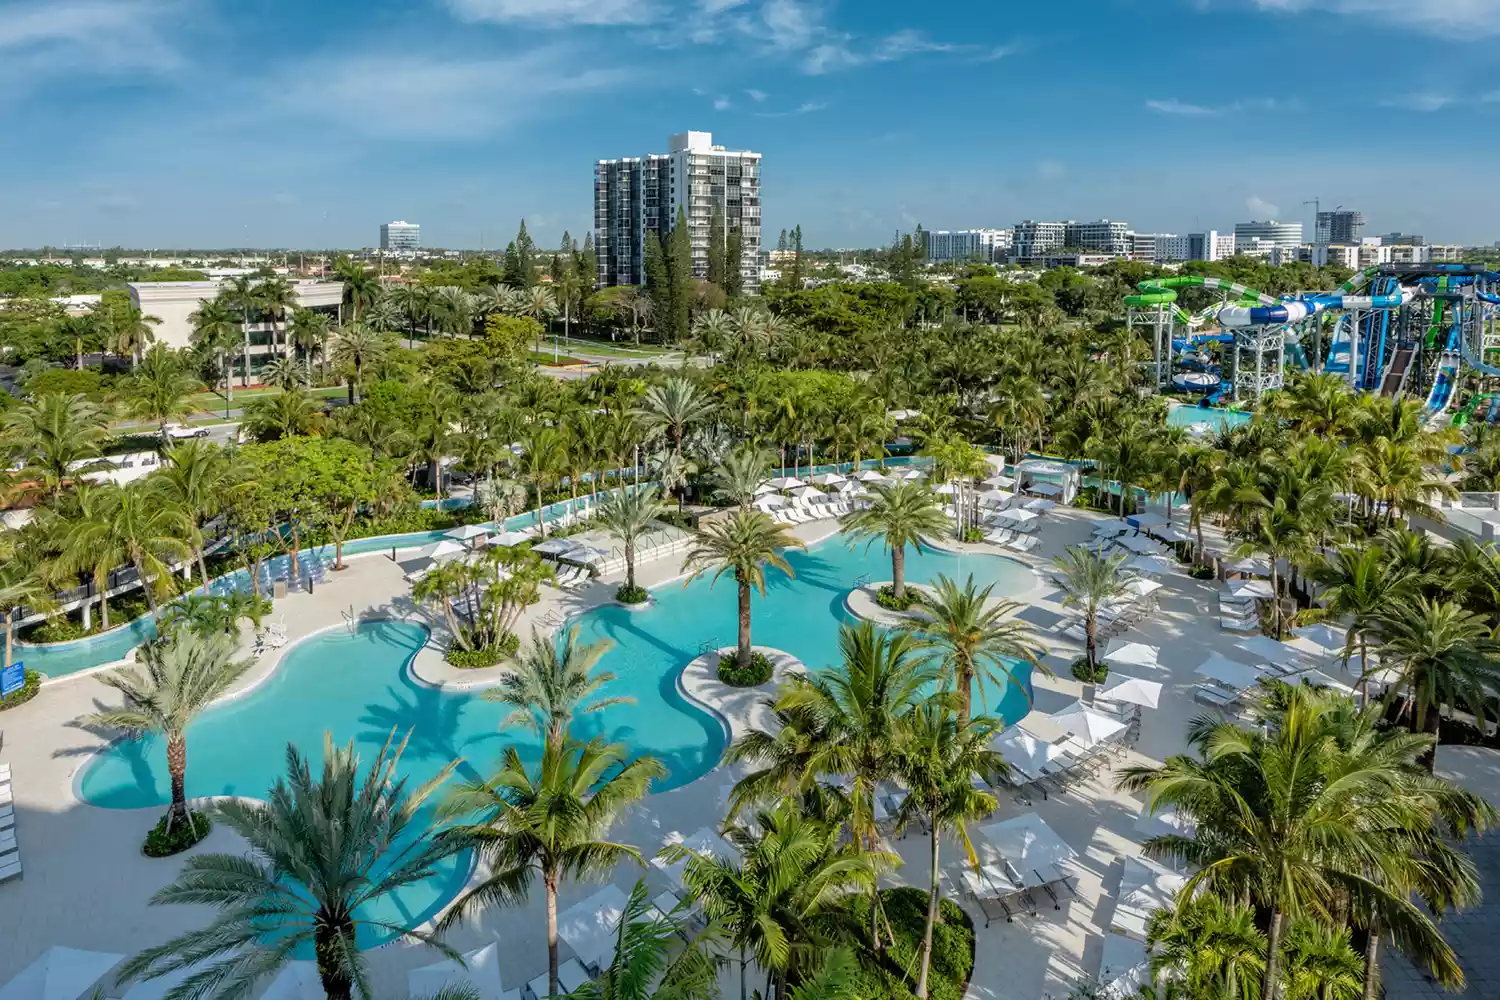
(828, 479)
(296, 981)
(1232, 674)
(508, 538)
(467, 532)
(1147, 520)
(1087, 726)
(1131, 690)
(1259, 590)
(1263, 647)
(60, 973)
(480, 970)
(786, 483)
(1123, 653)
(1027, 841)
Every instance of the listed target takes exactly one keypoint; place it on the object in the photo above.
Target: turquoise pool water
(1218, 419)
(356, 687)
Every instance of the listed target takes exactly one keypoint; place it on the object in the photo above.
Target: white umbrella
(770, 501)
(1087, 726)
(1115, 526)
(1000, 482)
(1028, 842)
(556, 547)
(808, 493)
(1330, 640)
(1124, 966)
(60, 973)
(1024, 752)
(1122, 653)
(589, 925)
(1018, 515)
(1172, 535)
(853, 489)
(786, 483)
(763, 489)
(947, 490)
(1258, 589)
(1263, 647)
(441, 548)
(508, 538)
(1150, 565)
(703, 842)
(1140, 544)
(1142, 588)
(1045, 489)
(480, 970)
(1168, 821)
(1251, 565)
(996, 498)
(1131, 690)
(1147, 520)
(829, 479)
(1040, 504)
(1319, 679)
(464, 532)
(1231, 673)
(871, 476)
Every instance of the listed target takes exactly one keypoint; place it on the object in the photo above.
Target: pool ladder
(862, 581)
(708, 645)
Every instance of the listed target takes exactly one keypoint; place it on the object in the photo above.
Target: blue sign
(12, 679)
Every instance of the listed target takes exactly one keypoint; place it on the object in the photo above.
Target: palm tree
(132, 332)
(899, 515)
(161, 388)
(1443, 656)
(540, 306)
(782, 900)
(712, 330)
(649, 962)
(131, 525)
(1279, 532)
(238, 294)
(321, 852)
(743, 544)
(196, 479)
(975, 638)
(627, 514)
(275, 297)
(436, 410)
(289, 413)
(1209, 945)
(1321, 963)
(540, 462)
(1089, 581)
(361, 285)
(355, 347)
(938, 757)
(671, 408)
(309, 332)
(286, 372)
(415, 304)
(743, 471)
(179, 678)
(57, 437)
(1360, 582)
(215, 329)
(547, 825)
(550, 685)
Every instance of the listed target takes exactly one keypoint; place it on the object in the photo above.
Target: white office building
(1103, 236)
(400, 236)
(1262, 237)
(1171, 248)
(1212, 245)
(1031, 240)
(174, 302)
(639, 195)
(985, 245)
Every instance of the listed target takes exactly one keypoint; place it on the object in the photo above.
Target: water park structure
(1396, 329)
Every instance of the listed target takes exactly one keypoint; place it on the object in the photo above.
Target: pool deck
(86, 885)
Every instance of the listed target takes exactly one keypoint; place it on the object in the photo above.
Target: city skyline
(175, 123)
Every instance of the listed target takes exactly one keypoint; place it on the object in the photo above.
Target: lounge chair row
(1004, 889)
(1020, 541)
(812, 512)
(572, 577)
(10, 852)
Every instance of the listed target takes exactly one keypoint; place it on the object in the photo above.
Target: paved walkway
(86, 884)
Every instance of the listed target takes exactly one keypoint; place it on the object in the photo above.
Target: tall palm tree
(361, 286)
(57, 437)
(976, 639)
(743, 471)
(781, 900)
(938, 757)
(415, 304)
(1359, 582)
(196, 479)
(1089, 581)
(216, 329)
(1443, 656)
(899, 515)
(1280, 533)
(649, 961)
(540, 462)
(672, 407)
(321, 852)
(550, 685)
(161, 388)
(627, 514)
(238, 295)
(131, 525)
(177, 679)
(132, 332)
(540, 305)
(742, 544)
(355, 348)
(547, 825)
(1209, 945)
(275, 297)
(436, 411)
(310, 331)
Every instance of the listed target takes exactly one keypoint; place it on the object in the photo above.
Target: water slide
(1296, 355)
(1447, 374)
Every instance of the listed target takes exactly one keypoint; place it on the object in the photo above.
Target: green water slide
(1462, 417)
(1435, 332)
(1162, 291)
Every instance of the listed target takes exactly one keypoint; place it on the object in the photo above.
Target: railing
(708, 645)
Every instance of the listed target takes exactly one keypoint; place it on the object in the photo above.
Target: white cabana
(1040, 504)
(872, 476)
(1139, 545)
(770, 501)
(1263, 647)
(1088, 727)
(828, 479)
(1324, 639)
(1258, 590)
(1232, 674)
(1045, 489)
(589, 925)
(1028, 842)
(1150, 565)
(296, 981)
(467, 532)
(441, 549)
(1147, 520)
(1131, 691)
(480, 970)
(1251, 565)
(703, 842)
(808, 493)
(1025, 753)
(60, 973)
(785, 483)
(508, 538)
(1123, 653)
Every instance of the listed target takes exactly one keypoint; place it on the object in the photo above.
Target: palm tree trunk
(898, 572)
(744, 987)
(932, 910)
(140, 573)
(552, 989)
(326, 947)
(630, 564)
(177, 769)
(10, 635)
(965, 681)
(1273, 957)
(1090, 636)
(202, 569)
(1372, 961)
(743, 655)
(247, 351)
(541, 522)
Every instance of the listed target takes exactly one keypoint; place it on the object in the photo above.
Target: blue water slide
(1297, 355)
(1494, 413)
(1447, 376)
(1338, 350)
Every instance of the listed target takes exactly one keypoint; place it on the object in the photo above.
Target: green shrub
(31, 683)
(632, 595)
(757, 673)
(161, 844)
(892, 974)
(486, 656)
(65, 627)
(1202, 573)
(973, 535)
(886, 598)
(67, 382)
(1081, 671)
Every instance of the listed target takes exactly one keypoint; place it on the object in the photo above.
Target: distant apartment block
(1212, 245)
(1032, 240)
(1103, 236)
(1171, 248)
(1263, 237)
(401, 236)
(968, 244)
(1341, 225)
(634, 196)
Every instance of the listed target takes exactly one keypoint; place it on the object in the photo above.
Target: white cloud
(1173, 106)
(1458, 19)
(1493, 97)
(556, 12)
(1419, 102)
(806, 108)
(788, 24)
(722, 104)
(88, 36)
(1259, 208)
(999, 52)
(756, 95)
(830, 58)
(907, 42)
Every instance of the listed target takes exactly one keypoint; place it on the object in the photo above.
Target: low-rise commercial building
(1263, 236)
(174, 302)
(968, 244)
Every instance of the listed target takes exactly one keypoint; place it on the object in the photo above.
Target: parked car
(182, 432)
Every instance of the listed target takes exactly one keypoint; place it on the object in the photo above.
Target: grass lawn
(605, 348)
(547, 358)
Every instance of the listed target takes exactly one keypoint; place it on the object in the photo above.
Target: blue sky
(306, 123)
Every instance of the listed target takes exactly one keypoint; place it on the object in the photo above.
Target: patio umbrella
(1142, 588)
(1329, 640)
(556, 547)
(1040, 504)
(1168, 821)
(1018, 515)
(871, 476)
(1027, 841)
(1319, 679)
(1150, 565)
(466, 532)
(1114, 526)
(763, 489)
(297, 981)
(770, 501)
(440, 549)
(1231, 673)
(1024, 752)
(1172, 535)
(480, 970)
(1252, 565)
(508, 538)
(705, 842)
(808, 493)
(1131, 690)
(996, 498)
(1000, 482)
(1263, 647)
(947, 490)
(853, 489)
(1087, 726)
(1147, 520)
(785, 483)
(1140, 545)
(1260, 590)
(828, 479)
(1121, 653)
(60, 973)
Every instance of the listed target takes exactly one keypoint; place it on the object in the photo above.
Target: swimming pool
(357, 687)
(1219, 419)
